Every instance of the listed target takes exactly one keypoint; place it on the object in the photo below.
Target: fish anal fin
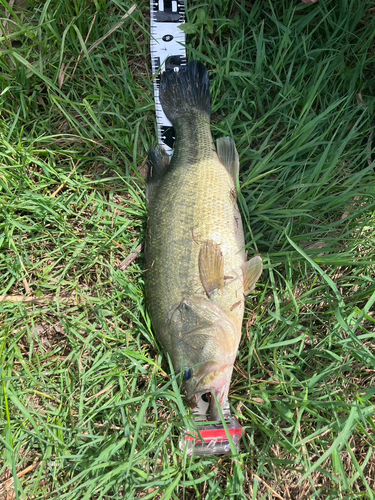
(211, 267)
(252, 269)
(228, 156)
(158, 163)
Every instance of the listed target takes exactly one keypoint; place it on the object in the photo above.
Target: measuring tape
(167, 41)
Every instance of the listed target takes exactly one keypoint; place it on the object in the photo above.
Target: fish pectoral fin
(252, 269)
(211, 267)
(228, 156)
(158, 163)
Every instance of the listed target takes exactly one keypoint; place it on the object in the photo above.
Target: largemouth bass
(197, 274)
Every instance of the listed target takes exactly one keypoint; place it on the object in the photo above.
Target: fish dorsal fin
(158, 162)
(228, 156)
(211, 267)
(252, 269)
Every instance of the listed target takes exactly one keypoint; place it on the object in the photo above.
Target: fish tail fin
(186, 91)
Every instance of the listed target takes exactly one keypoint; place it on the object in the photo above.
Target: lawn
(89, 408)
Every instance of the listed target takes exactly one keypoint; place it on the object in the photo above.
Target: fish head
(207, 347)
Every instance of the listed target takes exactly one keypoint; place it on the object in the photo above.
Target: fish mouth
(213, 380)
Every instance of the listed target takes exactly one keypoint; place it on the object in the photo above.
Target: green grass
(88, 406)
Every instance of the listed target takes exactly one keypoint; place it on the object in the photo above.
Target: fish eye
(188, 374)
